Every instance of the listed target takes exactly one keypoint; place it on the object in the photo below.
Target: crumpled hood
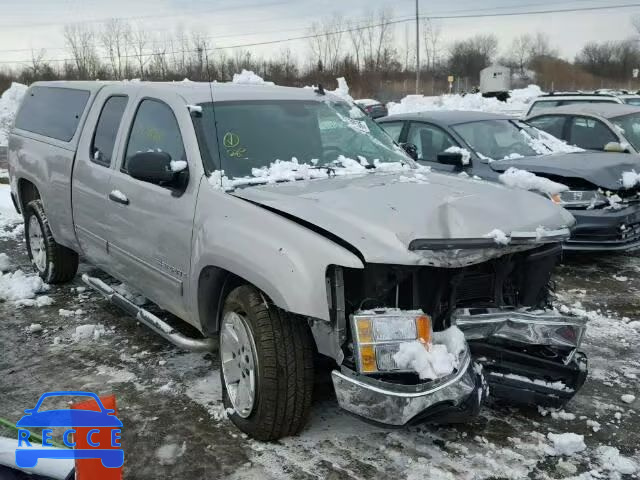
(602, 169)
(380, 214)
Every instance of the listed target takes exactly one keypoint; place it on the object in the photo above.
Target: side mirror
(152, 167)
(614, 147)
(411, 150)
(450, 158)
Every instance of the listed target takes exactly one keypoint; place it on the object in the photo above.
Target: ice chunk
(18, 286)
(566, 443)
(35, 327)
(628, 398)
(611, 460)
(514, 177)
(630, 179)
(88, 332)
(5, 263)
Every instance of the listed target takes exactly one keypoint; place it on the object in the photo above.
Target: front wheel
(266, 369)
(54, 262)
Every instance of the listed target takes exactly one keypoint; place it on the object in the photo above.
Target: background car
(594, 126)
(486, 145)
(373, 108)
(552, 100)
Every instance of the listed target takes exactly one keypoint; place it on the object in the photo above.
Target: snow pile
(343, 90)
(466, 156)
(177, 165)
(516, 178)
(88, 332)
(435, 361)
(611, 460)
(9, 103)
(498, 236)
(5, 263)
(18, 286)
(630, 179)
(292, 170)
(248, 77)
(516, 105)
(566, 443)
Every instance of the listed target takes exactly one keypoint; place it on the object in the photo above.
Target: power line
(347, 30)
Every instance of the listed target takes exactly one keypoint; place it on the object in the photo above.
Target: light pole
(417, 47)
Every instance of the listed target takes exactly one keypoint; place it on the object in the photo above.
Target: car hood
(381, 214)
(601, 169)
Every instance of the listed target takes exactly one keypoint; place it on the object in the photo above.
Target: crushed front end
(517, 347)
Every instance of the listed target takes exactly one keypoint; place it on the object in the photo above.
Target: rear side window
(155, 128)
(552, 124)
(104, 138)
(542, 104)
(393, 129)
(590, 134)
(52, 112)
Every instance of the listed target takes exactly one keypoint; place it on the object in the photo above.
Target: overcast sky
(27, 24)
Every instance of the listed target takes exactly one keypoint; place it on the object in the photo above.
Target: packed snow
(433, 361)
(566, 443)
(630, 179)
(517, 178)
(177, 165)
(466, 156)
(19, 286)
(545, 144)
(9, 103)
(611, 460)
(5, 263)
(248, 77)
(516, 105)
(628, 398)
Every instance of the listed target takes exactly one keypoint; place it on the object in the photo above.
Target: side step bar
(150, 320)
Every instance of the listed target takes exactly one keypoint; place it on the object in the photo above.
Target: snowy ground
(175, 427)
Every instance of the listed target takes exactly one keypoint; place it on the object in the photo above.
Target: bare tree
(541, 46)
(357, 40)
(378, 38)
(520, 50)
(139, 42)
(431, 33)
(116, 38)
(80, 41)
(37, 61)
(326, 41)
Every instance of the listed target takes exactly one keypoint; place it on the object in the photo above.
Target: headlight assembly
(580, 199)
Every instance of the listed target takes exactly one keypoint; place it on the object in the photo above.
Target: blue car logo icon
(69, 419)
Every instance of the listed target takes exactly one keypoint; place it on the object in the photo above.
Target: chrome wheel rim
(238, 357)
(36, 244)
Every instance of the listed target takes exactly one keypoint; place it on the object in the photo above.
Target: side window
(552, 124)
(542, 104)
(590, 133)
(53, 112)
(104, 138)
(394, 129)
(430, 140)
(155, 128)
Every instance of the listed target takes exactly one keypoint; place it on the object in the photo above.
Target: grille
(477, 286)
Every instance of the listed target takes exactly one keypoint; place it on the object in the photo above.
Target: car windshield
(253, 135)
(629, 126)
(498, 139)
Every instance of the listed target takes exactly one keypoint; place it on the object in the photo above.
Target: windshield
(497, 139)
(253, 135)
(629, 126)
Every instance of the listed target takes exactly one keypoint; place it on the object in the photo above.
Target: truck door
(151, 225)
(93, 167)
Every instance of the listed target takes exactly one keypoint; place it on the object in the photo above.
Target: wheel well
(213, 285)
(27, 192)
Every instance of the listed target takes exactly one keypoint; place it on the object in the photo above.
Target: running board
(150, 320)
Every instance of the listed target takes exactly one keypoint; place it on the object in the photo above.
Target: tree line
(375, 54)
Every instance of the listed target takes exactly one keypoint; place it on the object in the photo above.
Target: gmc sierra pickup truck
(286, 226)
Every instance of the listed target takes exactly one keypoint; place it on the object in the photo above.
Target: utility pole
(417, 47)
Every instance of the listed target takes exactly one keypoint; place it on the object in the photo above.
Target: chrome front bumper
(457, 396)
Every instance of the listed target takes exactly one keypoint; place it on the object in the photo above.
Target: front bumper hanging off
(451, 399)
(528, 357)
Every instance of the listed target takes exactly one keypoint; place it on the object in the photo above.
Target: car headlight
(580, 198)
(377, 336)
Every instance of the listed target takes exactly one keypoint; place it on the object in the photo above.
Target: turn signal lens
(556, 199)
(365, 332)
(368, 359)
(423, 326)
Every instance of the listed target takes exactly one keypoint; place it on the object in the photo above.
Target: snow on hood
(529, 181)
(603, 170)
(381, 213)
(517, 104)
(248, 77)
(9, 103)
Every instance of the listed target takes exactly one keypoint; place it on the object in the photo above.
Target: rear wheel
(266, 366)
(53, 262)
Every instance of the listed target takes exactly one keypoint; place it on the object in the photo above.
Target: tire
(284, 368)
(54, 262)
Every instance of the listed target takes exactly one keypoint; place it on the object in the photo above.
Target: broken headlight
(580, 199)
(378, 334)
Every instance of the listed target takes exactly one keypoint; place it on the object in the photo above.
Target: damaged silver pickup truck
(344, 249)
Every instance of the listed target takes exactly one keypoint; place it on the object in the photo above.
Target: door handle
(119, 197)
